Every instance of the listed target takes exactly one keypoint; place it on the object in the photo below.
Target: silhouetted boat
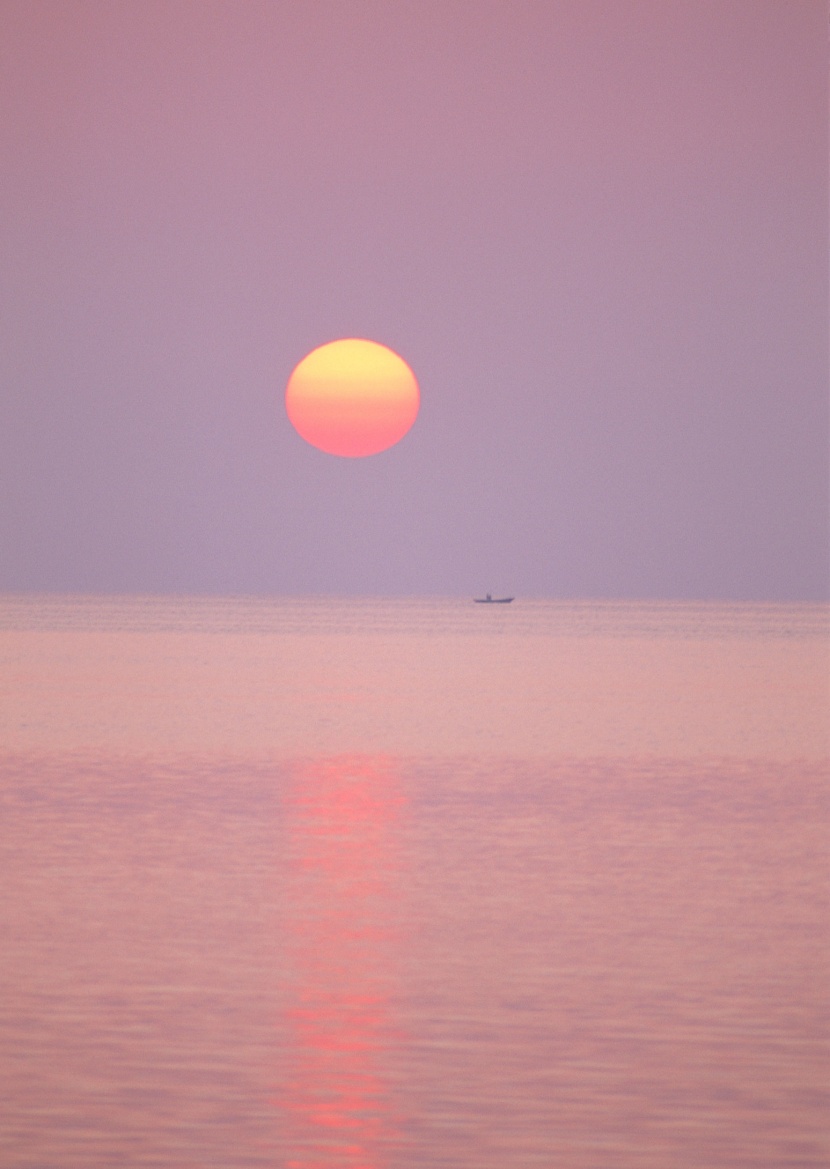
(488, 600)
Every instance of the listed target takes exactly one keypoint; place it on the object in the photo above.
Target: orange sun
(352, 398)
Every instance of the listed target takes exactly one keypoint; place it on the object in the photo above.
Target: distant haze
(597, 232)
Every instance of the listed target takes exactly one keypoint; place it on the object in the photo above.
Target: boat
(488, 600)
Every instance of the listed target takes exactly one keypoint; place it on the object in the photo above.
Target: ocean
(323, 883)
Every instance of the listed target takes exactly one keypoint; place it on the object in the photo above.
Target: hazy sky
(597, 231)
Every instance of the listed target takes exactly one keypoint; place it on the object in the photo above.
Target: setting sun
(352, 398)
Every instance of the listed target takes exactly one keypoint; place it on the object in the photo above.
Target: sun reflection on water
(335, 1100)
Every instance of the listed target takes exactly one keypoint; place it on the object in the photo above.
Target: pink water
(393, 884)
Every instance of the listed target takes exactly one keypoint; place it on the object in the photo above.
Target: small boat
(488, 600)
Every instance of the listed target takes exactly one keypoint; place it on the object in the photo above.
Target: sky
(597, 230)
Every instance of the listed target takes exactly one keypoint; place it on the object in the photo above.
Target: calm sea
(373, 884)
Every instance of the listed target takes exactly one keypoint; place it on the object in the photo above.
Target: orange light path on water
(334, 1102)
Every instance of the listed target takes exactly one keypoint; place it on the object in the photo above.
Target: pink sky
(596, 231)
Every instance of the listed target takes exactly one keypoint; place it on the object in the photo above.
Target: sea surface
(386, 884)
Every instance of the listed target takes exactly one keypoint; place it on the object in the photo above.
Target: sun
(352, 398)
